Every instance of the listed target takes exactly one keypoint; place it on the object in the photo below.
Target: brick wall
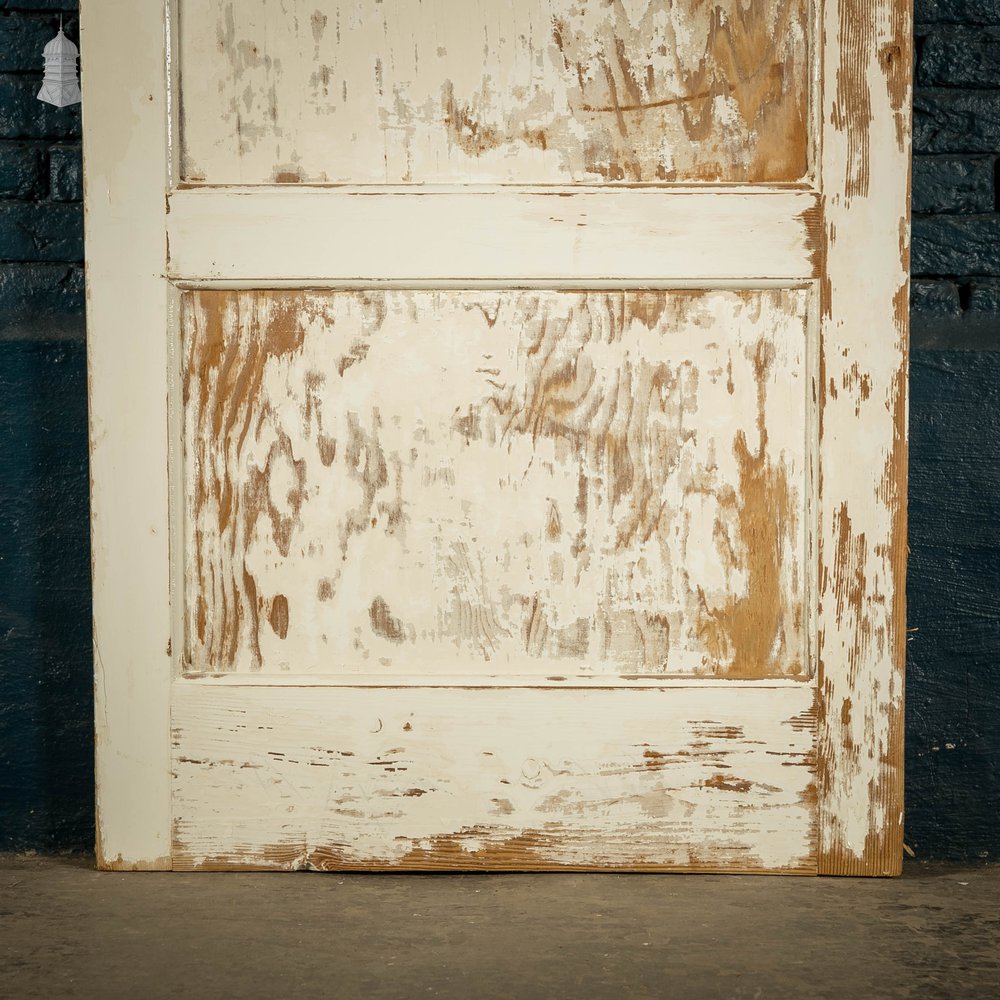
(953, 585)
(956, 223)
(41, 216)
(46, 704)
(953, 680)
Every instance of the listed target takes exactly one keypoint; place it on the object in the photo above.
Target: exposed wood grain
(523, 482)
(863, 426)
(388, 91)
(422, 779)
(635, 234)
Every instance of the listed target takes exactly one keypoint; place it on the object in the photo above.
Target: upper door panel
(479, 91)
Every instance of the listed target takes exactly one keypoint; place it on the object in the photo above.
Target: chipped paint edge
(866, 163)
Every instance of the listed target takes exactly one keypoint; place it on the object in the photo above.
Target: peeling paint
(456, 481)
(739, 798)
(410, 482)
(547, 91)
(863, 427)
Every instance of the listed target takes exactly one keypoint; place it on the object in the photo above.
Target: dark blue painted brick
(953, 591)
(40, 301)
(956, 121)
(21, 174)
(46, 672)
(953, 184)
(37, 231)
(960, 57)
(956, 245)
(23, 116)
(984, 299)
(65, 173)
(22, 38)
(957, 11)
(935, 299)
(66, 6)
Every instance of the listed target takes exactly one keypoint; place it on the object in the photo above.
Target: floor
(68, 931)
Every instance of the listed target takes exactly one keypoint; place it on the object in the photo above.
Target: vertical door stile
(863, 450)
(128, 321)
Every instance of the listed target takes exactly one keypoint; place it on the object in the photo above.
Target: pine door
(498, 421)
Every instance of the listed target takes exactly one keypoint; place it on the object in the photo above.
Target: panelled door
(498, 432)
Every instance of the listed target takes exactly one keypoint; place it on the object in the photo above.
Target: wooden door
(499, 432)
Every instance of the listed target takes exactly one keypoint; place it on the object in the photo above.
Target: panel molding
(522, 284)
(626, 682)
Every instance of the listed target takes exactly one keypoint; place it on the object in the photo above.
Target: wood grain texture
(439, 91)
(510, 482)
(863, 426)
(642, 235)
(322, 778)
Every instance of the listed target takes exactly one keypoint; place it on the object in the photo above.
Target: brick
(41, 300)
(21, 173)
(949, 184)
(960, 57)
(65, 173)
(23, 116)
(31, 231)
(956, 11)
(22, 39)
(956, 121)
(956, 245)
(935, 299)
(65, 7)
(984, 299)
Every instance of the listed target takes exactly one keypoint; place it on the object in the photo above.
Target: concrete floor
(68, 931)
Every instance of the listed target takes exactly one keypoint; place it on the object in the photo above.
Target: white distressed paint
(514, 482)
(291, 777)
(863, 445)
(489, 236)
(539, 91)
(578, 681)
